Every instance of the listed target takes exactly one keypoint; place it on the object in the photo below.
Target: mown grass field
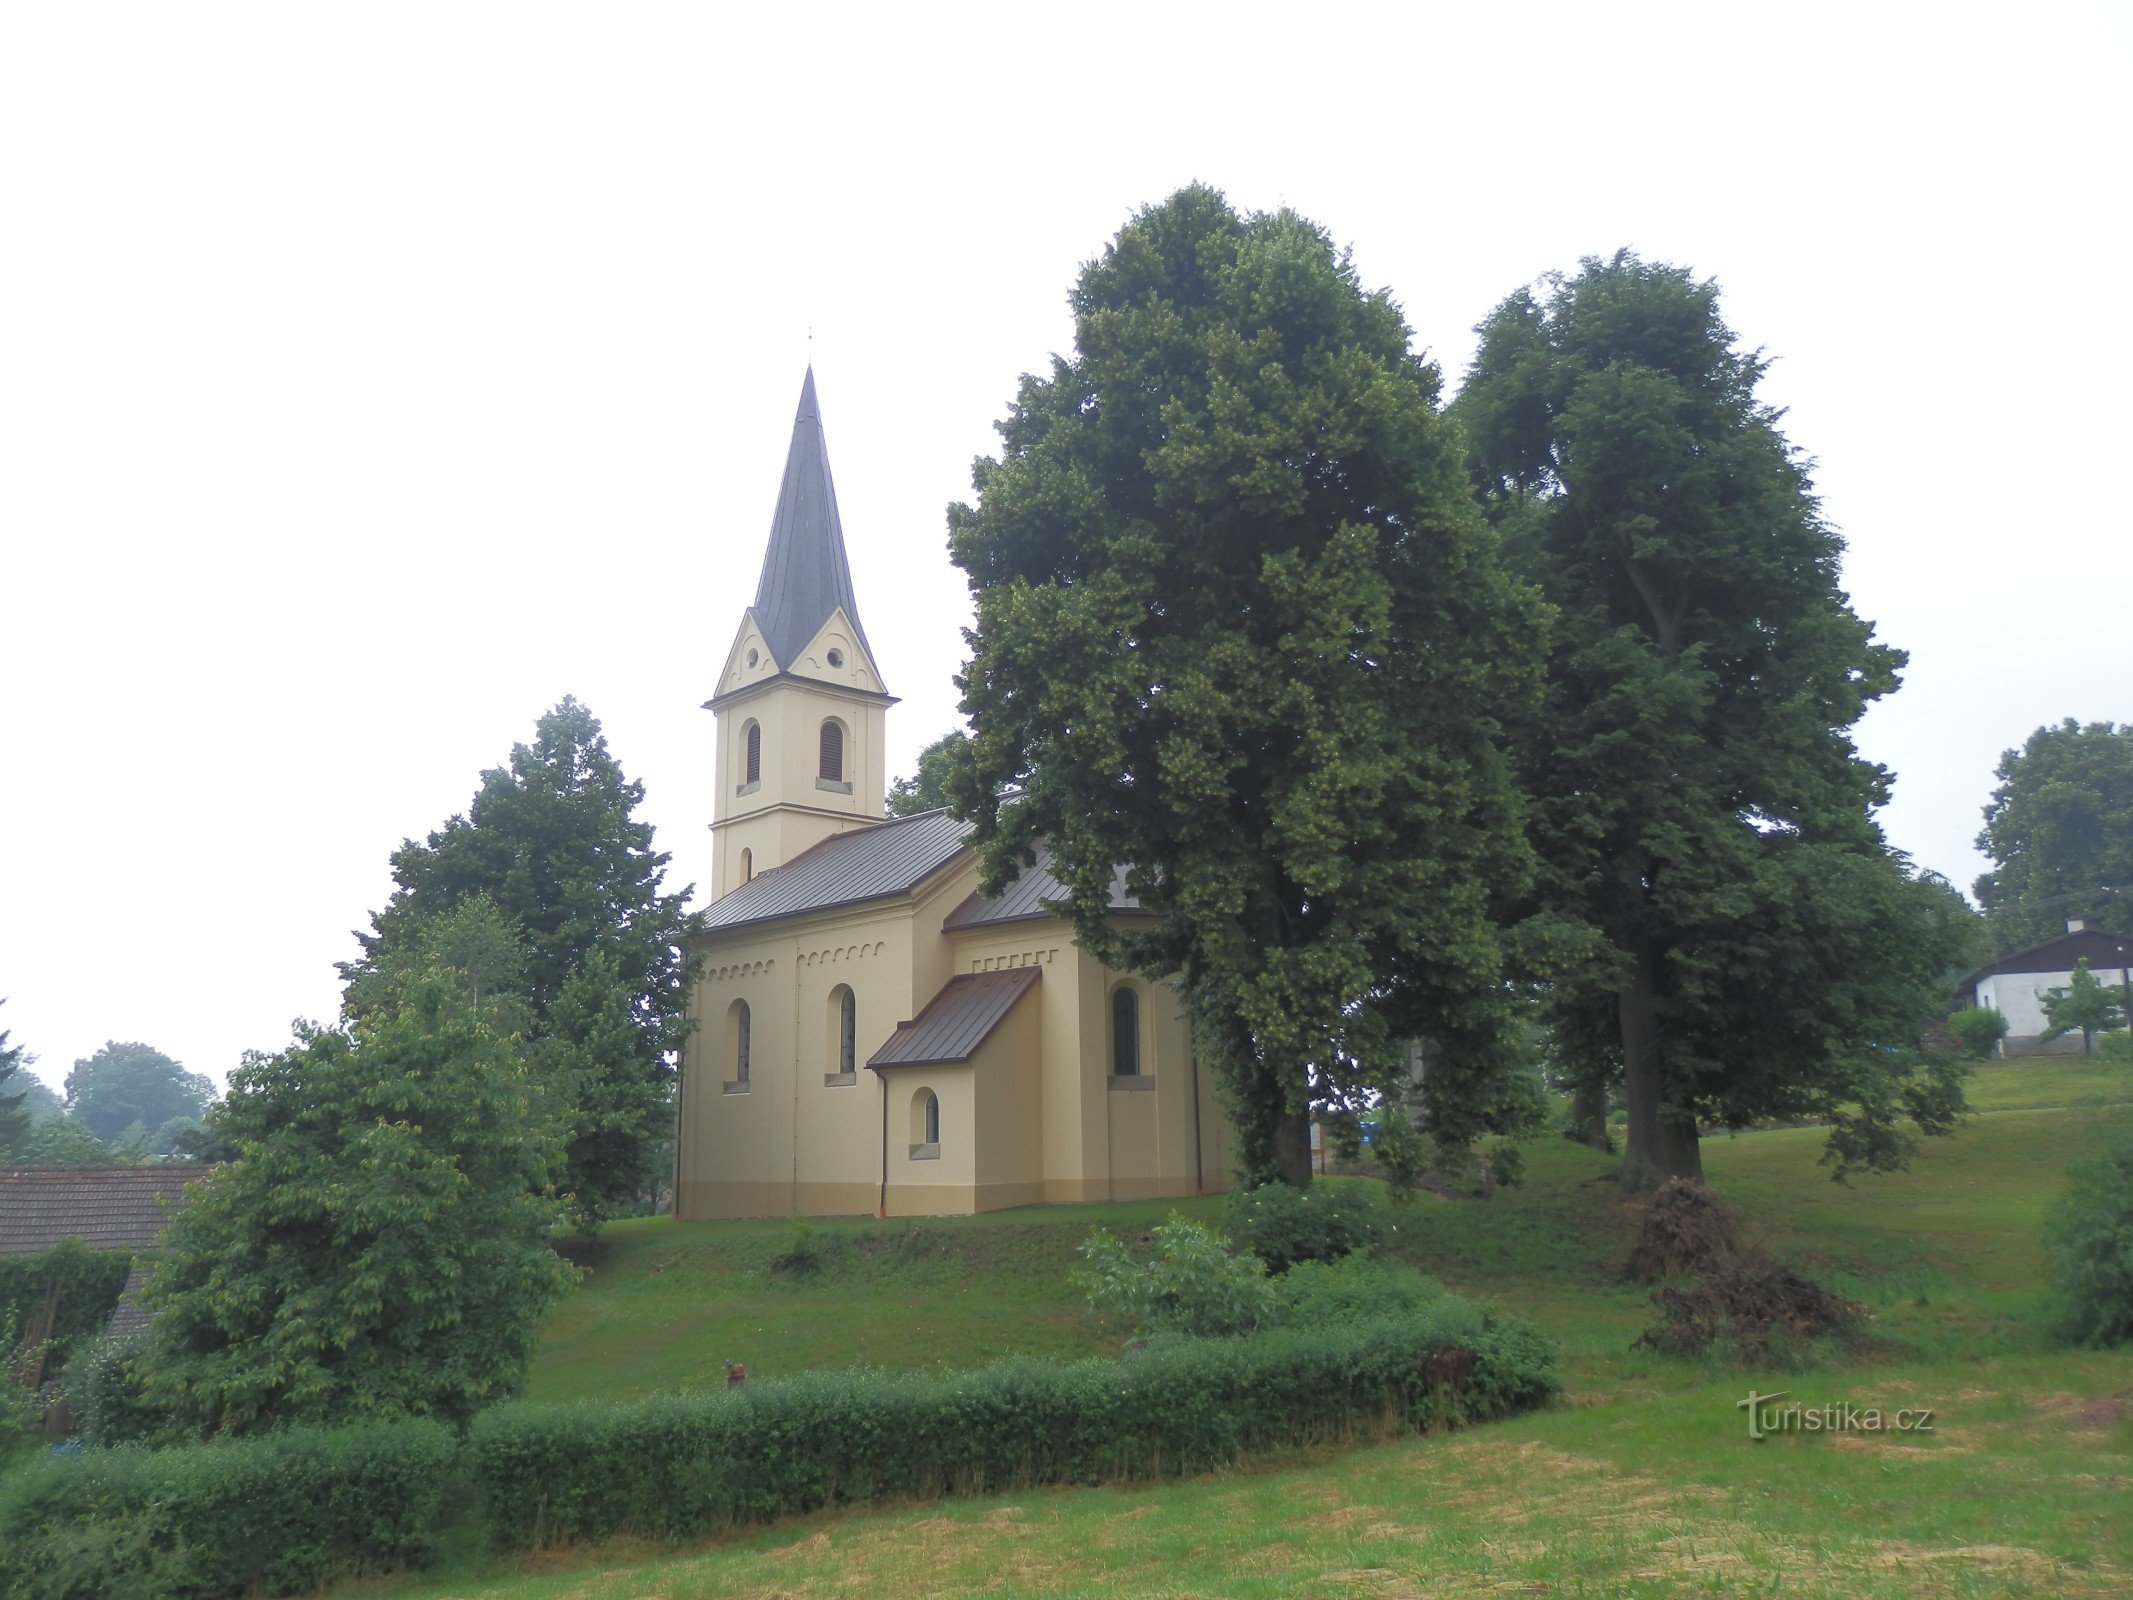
(1644, 1483)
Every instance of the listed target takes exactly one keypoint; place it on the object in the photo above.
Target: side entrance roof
(957, 1020)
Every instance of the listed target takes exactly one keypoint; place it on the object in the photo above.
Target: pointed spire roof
(805, 575)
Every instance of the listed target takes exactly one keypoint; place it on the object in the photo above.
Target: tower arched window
(1125, 1032)
(832, 764)
(747, 865)
(754, 762)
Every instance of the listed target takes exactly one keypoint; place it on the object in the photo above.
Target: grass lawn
(1644, 1483)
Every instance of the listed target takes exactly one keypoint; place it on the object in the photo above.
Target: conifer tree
(14, 1111)
(553, 844)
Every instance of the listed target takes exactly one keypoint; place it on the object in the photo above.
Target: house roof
(957, 1020)
(129, 1313)
(1025, 897)
(866, 864)
(2058, 954)
(805, 574)
(107, 1208)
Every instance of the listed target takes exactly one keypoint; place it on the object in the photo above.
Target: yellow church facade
(873, 1036)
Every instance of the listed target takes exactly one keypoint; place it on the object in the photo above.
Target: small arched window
(740, 1041)
(832, 766)
(747, 865)
(933, 1117)
(754, 736)
(848, 1034)
(1125, 1032)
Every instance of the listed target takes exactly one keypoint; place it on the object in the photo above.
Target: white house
(2015, 985)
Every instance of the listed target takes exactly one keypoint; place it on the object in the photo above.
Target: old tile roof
(129, 1313)
(865, 864)
(957, 1020)
(1025, 897)
(107, 1208)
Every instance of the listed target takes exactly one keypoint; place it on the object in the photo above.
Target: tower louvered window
(832, 767)
(755, 753)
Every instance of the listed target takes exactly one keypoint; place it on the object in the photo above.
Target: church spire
(805, 576)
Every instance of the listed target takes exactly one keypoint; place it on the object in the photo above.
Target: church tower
(800, 705)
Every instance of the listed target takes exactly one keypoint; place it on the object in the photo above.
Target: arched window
(747, 865)
(832, 765)
(1125, 1032)
(848, 1034)
(754, 736)
(740, 1041)
(929, 1117)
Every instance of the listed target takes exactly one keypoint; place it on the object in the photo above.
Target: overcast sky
(372, 376)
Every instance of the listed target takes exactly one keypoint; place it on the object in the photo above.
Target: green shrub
(279, 1514)
(2088, 1236)
(105, 1394)
(1978, 1029)
(682, 1466)
(89, 1283)
(1193, 1284)
(1320, 1222)
(1315, 1294)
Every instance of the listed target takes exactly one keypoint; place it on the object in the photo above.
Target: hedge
(287, 1512)
(681, 1466)
(280, 1514)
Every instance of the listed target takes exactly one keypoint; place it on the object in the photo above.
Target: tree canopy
(552, 842)
(380, 1244)
(927, 788)
(1736, 939)
(134, 1089)
(2059, 829)
(1240, 626)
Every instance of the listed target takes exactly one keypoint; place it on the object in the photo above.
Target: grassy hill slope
(1645, 1483)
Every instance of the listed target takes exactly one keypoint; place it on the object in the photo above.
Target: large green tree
(14, 1094)
(2059, 829)
(927, 788)
(553, 842)
(380, 1243)
(2085, 1007)
(1751, 946)
(1239, 625)
(129, 1085)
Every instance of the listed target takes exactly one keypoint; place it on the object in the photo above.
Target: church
(873, 1035)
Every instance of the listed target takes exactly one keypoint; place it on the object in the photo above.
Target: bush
(1317, 1294)
(682, 1466)
(280, 1514)
(1320, 1222)
(1978, 1029)
(106, 1396)
(1760, 1308)
(1688, 1229)
(1192, 1285)
(2088, 1236)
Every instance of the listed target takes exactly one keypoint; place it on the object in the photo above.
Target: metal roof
(2057, 954)
(107, 1208)
(1025, 897)
(865, 864)
(957, 1020)
(805, 574)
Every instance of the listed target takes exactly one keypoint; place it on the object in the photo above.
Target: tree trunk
(1588, 1117)
(1661, 1144)
(1292, 1148)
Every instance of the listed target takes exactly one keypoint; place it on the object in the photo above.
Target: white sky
(371, 376)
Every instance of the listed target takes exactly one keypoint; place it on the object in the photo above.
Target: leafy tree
(66, 1142)
(2084, 1006)
(1737, 941)
(1239, 625)
(124, 1084)
(927, 789)
(553, 843)
(380, 1245)
(14, 1097)
(2059, 829)
(2088, 1237)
